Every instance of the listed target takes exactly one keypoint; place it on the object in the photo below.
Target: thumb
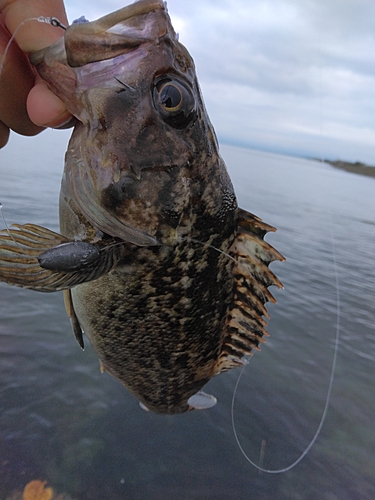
(44, 108)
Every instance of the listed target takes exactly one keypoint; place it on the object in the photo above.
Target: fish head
(144, 154)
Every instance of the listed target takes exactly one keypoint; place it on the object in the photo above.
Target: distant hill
(356, 168)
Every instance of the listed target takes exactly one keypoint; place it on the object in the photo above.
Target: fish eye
(175, 101)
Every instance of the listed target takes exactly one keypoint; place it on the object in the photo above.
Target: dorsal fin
(245, 327)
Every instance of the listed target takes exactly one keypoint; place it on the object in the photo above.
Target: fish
(160, 268)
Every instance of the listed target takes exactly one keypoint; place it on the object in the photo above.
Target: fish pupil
(170, 96)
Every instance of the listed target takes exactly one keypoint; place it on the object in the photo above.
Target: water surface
(64, 422)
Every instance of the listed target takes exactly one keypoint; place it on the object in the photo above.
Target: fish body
(160, 269)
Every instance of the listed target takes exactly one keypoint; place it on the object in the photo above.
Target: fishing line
(53, 21)
(260, 467)
(332, 376)
(210, 246)
(8, 230)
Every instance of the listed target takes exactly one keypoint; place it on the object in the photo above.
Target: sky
(287, 76)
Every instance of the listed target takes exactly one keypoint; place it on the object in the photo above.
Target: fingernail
(68, 124)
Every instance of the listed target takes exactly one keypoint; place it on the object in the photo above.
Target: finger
(45, 108)
(16, 80)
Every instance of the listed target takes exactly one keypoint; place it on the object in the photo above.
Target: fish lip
(107, 22)
(124, 31)
(100, 26)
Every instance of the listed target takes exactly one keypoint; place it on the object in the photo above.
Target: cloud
(281, 75)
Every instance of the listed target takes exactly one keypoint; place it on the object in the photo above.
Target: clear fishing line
(7, 228)
(5, 222)
(41, 19)
(336, 342)
(332, 376)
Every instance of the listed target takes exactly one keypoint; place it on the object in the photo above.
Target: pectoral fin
(37, 258)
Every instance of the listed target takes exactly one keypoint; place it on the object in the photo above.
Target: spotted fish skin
(177, 278)
(159, 327)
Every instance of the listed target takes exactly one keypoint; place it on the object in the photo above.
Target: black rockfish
(160, 269)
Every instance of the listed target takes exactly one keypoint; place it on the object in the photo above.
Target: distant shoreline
(352, 167)
(355, 168)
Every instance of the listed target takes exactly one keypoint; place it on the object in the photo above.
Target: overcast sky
(292, 76)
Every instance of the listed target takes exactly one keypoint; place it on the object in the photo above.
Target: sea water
(63, 421)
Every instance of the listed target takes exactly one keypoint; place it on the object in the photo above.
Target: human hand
(27, 105)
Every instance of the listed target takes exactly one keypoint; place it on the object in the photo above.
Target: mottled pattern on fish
(166, 276)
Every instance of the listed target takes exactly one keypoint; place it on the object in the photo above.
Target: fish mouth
(125, 13)
(108, 36)
(116, 33)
